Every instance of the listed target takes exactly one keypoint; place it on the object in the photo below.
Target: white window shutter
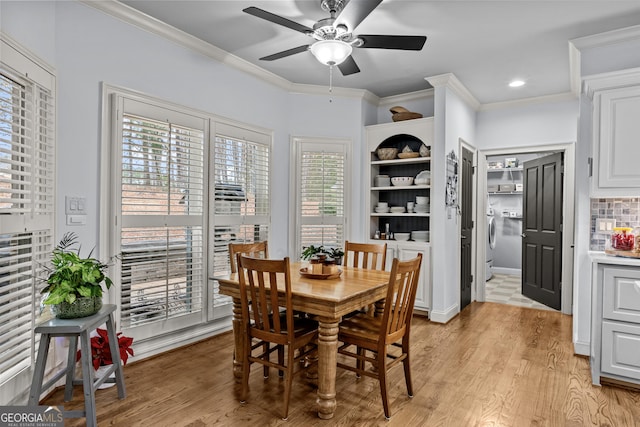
(162, 210)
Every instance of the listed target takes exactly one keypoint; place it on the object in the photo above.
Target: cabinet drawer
(621, 349)
(621, 294)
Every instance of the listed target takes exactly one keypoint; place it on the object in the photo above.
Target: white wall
(519, 125)
(453, 120)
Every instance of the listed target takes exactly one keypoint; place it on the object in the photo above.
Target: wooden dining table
(327, 300)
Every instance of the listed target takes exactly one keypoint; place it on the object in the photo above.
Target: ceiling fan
(334, 35)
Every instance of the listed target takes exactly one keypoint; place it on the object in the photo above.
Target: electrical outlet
(605, 225)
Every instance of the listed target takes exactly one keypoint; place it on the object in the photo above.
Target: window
(161, 163)
(27, 169)
(319, 179)
(240, 194)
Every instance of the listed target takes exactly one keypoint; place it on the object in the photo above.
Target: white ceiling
(484, 43)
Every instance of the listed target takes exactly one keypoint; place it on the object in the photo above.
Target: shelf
(401, 187)
(519, 169)
(427, 214)
(402, 161)
(504, 193)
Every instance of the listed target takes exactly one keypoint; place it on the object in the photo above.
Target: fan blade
(286, 53)
(348, 66)
(260, 13)
(355, 12)
(392, 42)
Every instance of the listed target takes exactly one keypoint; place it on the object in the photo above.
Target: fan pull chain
(330, 82)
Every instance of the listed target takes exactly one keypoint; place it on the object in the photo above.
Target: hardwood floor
(493, 365)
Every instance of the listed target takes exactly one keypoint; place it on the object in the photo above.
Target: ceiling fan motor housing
(334, 7)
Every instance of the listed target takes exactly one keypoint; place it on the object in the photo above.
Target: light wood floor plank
(493, 365)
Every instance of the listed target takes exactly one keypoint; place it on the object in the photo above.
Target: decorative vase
(81, 307)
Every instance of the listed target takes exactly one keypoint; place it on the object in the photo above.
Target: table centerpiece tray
(304, 272)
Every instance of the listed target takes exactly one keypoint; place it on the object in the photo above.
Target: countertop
(603, 258)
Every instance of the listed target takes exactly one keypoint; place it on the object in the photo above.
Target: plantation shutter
(240, 193)
(321, 194)
(27, 177)
(162, 209)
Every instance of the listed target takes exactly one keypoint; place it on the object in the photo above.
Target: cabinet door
(616, 149)
(621, 294)
(621, 349)
(423, 295)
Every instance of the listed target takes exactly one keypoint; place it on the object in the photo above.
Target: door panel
(542, 230)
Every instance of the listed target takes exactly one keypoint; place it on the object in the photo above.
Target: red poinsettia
(101, 353)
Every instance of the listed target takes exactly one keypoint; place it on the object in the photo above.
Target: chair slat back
(401, 296)
(255, 250)
(371, 256)
(260, 280)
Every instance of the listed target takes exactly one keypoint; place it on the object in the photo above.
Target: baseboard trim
(582, 348)
(444, 316)
(509, 271)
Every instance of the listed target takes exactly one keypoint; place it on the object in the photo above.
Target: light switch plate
(605, 225)
(75, 205)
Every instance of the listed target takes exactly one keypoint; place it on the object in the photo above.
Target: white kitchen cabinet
(615, 150)
(411, 133)
(615, 327)
(410, 250)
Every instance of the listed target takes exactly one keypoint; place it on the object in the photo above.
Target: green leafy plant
(101, 352)
(309, 251)
(336, 253)
(70, 276)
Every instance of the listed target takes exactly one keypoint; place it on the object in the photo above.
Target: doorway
(506, 206)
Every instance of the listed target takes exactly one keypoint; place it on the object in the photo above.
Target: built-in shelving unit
(413, 134)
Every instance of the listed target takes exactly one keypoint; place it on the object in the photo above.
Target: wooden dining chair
(255, 250)
(372, 256)
(268, 330)
(386, 338)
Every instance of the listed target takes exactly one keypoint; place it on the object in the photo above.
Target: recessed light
(516, 83)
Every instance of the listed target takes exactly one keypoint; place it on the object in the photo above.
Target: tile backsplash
(626, 212)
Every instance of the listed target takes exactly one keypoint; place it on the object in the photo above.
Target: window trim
(297, 143)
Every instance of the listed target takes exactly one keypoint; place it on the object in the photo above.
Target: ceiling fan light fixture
(331, 52)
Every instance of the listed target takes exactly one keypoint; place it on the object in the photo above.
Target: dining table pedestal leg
(238, 338)
(327, 359)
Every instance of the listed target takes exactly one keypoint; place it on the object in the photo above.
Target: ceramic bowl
(387, 153)
(401, 181)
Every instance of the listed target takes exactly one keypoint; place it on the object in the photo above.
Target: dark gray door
(466, 207)
(542, 230)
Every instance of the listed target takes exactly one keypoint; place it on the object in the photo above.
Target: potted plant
(74, 283)
(336, 253)
(310, 251)
(101, 352)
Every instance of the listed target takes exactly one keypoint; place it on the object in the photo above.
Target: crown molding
(607, 38)
(404, 97)
(523, 102)
(611, 80)
(451, 81)
(134, 17)
(307, 89)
